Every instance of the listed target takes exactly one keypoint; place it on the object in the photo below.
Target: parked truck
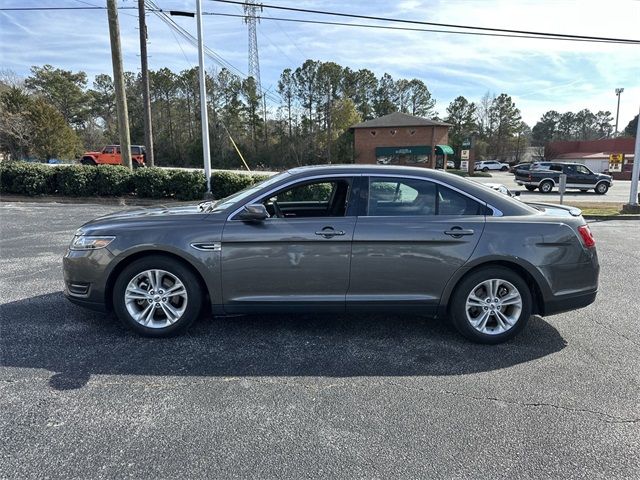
(579, 177)
(111, 155)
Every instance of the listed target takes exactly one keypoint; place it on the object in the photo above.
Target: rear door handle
(457, 232)
(328, 232)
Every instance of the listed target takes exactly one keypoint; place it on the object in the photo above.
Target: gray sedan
(335, 239)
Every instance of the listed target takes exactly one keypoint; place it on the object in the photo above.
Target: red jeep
(110, 155)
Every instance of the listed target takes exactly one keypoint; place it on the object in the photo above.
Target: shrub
(76, 180)
(224, 184)
(24, 178)
(150, 182)
(113, 180)
(186, 184)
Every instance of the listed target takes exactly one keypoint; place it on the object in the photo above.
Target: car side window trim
(495, 211)
(300, 181)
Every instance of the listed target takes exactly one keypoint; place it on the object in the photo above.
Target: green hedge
(32, 179)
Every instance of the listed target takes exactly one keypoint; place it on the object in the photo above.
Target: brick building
(401, 139)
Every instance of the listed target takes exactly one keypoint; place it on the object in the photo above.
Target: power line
(191, 39)
(413, 29)
(434, 24)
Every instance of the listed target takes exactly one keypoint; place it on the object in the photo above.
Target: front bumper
(85, 277)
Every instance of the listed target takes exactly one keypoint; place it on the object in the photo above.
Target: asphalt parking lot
(618, 193)
(309, 396)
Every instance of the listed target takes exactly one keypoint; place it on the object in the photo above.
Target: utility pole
(118, 77)
(618, 92)
(266, 131)
(148, 130)
(632, 206)
(204, 114)
(329, 124)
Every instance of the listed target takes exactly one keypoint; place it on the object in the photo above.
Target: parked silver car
(335, 239)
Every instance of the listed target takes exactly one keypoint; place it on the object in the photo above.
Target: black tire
(88, 161)
(504, 169)
(485, 169)
(602, 188)
(194, 296)
(531, 188)
(546, 186)
(458, 304)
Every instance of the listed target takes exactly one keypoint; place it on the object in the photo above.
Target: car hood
(160, 211)
(137, 218)
(92, 153)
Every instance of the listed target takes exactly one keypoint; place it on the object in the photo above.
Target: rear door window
(399, 197)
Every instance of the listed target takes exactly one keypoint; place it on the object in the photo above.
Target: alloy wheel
(493, 306)
(156, 298)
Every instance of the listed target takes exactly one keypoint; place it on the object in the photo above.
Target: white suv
(491, 165)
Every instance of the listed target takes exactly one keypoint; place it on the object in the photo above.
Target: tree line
(54, 113)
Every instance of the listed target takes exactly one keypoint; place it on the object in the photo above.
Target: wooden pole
(118, 80)
(146, 101)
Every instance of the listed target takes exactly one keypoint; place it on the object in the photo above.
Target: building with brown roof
(401, 139)
(594, 153)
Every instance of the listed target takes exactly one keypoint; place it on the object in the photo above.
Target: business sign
(615, 162)
(466, 143)
(464, 164)
(464, 154)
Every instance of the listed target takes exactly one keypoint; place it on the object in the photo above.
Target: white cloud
(540, 75)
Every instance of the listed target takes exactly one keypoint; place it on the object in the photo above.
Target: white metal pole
(204, 114)
(633, 194)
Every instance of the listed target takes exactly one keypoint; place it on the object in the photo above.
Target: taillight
(587, 236)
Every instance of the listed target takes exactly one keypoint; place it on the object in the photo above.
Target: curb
(603, 218)
(155, 202)
(122, 201)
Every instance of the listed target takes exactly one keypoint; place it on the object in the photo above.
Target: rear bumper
(566, 303)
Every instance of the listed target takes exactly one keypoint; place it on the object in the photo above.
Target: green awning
(444, 150)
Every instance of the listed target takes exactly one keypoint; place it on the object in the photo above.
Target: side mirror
(253, 213)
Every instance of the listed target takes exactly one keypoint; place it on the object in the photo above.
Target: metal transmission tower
(250, 9)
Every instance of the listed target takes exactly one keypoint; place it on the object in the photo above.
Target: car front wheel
(485, 169)
(491, 305)
(157, 296)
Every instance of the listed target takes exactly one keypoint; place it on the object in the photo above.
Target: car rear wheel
(531, 188)
(157, 296)
(602, 188)
(491, 305)
(546, 186)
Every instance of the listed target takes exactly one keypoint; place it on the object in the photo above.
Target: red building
(595, 153)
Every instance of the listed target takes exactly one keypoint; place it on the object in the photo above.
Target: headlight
(86, 242)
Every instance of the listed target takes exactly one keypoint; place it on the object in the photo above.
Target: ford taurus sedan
(339, 239)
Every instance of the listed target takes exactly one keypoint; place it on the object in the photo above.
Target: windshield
(224, 203)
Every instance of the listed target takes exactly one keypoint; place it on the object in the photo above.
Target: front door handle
(328, 232)
(458, 232)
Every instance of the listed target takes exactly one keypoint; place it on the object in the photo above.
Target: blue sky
(539, 74)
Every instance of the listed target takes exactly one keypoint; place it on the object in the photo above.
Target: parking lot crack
(605, 417)
(617, 332)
